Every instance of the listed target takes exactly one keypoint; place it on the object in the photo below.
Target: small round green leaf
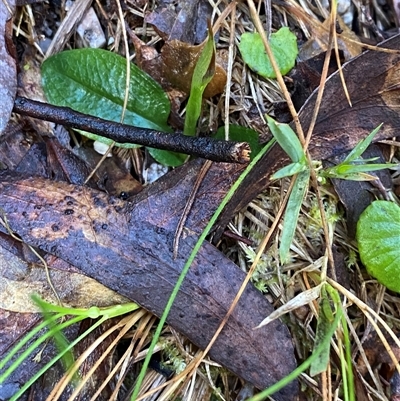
(283, 45)
(378, 237)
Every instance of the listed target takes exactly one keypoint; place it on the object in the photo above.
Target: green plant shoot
(202, 75)
(323, 344)
(290, 143)
(353, 167)
(329, 297)
(292, 212)
(55, 324)
(287, 140)
(59, 339)
(325, 320)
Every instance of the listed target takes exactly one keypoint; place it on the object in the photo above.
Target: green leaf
(289, 170)
(284, 48)
(241, 134)
(378, 237)
(362, 146)
(202, 75)
(296, 197)
(355, 172)
(326, 319)
(93, 81)
(167, 158)
(59, 338)
(353, 167)
(287, 139)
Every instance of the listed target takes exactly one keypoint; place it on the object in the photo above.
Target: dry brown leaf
(320, 39)
(8, 72)
(128, 247)
(179, 60)
(20, 279)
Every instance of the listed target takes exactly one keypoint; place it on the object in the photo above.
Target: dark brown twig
(207, 148)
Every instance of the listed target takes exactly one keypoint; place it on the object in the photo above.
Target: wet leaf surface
(128, 248)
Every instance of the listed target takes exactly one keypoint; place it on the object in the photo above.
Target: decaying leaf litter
(308, 246)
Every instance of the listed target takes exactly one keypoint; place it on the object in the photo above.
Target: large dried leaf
(128, 248)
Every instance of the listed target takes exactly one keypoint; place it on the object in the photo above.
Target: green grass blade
(362, 146)
(22, 343)
(59, 338)
(34, 345)
(92, 312)
(355, 172)
(296, 197)
(289, 170)
(188, 263)
(16, 396)
(51, 308)
(325, 319)
(202, 75)
(305, 365)
(347, 370)
(54, 330)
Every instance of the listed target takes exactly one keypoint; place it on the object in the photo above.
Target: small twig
(207, 148)
(188, 206)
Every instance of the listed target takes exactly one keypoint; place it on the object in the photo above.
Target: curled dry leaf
(320, 35)
(179, 55)
(179, 60)
(8, 72)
